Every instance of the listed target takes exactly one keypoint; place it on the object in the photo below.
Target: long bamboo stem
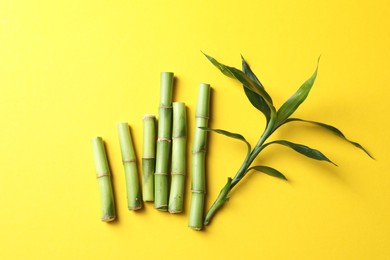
(178, 166)
(103, 176)
(148, 157)
(134, 200)
(163, 142)
(198, 185)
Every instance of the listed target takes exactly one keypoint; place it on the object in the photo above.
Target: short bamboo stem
(148, 157)
(103, 176)
(198, 185)
(134, 200)
(163, 143)
(178, 165)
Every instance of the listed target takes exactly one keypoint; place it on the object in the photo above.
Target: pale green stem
(198, 185)
(103, 176)
(178, 165)
(148, 157)
(163, 143)
(223, 196)
(134, 200)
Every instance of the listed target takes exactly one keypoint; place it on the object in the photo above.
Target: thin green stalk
(256, 150)
(163, 143)
(198, 185)
(134, 200)
(223, 196)
(262, 101)
(148, 157)
(103, 176)
(178, 166)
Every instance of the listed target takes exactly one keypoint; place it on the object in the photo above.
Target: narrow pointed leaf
(291, 105)
(237, 74)
(256, 100)
(303, 149)
(269, 171)
(229, 134)
(332, 129)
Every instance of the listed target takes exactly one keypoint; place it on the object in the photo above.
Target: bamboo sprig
(262, 101)
(178, 165)
(148, 157)
(129, 160)
(198, 184)
(163, 143)
(103, 176)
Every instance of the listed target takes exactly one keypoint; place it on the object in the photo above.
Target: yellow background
(70, 70)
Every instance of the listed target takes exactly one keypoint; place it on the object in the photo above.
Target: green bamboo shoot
(134, 200)
(148, 157)
(275, 118)
(178, 165)
(163, 143)
(103, 176)
(198, 185)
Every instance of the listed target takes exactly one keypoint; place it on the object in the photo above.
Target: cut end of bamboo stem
(162, 208)
(175, 211)
(108, 219)
(135, 208)
(149, 116)
(195, 228)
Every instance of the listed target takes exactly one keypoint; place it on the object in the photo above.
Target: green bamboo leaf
(334, 130)
(237, 74)
(229, 134)
(256, 100)
(269, 171)
(302, 149)
(291, 105)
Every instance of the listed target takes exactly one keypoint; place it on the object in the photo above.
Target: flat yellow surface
(70, 70)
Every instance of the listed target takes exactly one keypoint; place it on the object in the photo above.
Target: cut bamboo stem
(103, 176)
(198, 185)
(148, 157)
(134, 200)
(163, 143)
(178, 165)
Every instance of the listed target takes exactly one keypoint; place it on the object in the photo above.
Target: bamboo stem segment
(163, 142)
(198, 185)
(178, 165)
(148, 157)
(134, 200)
(103, 176)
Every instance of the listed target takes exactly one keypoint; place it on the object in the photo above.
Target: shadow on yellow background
(70, 70)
